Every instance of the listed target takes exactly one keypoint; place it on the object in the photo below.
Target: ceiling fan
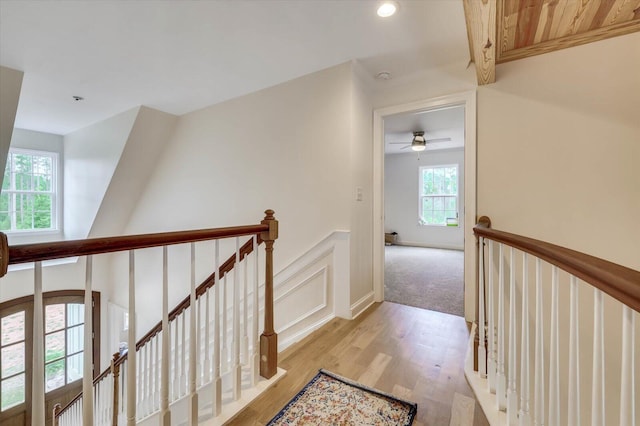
(419, 142)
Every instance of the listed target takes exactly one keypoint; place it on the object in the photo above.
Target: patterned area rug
(329, 399)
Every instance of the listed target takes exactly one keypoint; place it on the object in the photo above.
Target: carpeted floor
(425, 278)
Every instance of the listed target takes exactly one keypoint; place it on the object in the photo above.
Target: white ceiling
(179, 56)
(441, 123)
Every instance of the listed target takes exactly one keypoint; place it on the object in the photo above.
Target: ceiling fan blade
(406, 147)
(438, 140)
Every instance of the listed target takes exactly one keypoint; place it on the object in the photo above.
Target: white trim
(427, 245)
(309, 257)
(468, 217)
(361, 305)
(323, 304)
(486, 399)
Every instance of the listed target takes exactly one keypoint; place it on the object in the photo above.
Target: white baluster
(37, 390)
(225, 348)
(193, 350)
(245, 313)
(140, 382)
(131, 376)
(597, 389)
(501, 383)
(554, 354)
(237, 371)
(206, 377)
(512, 394)
(255, 359)
(156, 372)
(491, 362)
(199, 356)
(538, 386)
(87, 370)
(148, 374)
(524, 415)
(183, 349)
(627, 390)
(217, 381)
(482, 351)
(574, 358)
(175, 359)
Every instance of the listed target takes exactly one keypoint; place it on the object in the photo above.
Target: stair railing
(550, 390)
(171, 361)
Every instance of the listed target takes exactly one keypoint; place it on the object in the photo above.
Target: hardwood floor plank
(415, 354)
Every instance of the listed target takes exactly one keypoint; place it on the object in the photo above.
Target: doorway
(384, 118)
(424, 196)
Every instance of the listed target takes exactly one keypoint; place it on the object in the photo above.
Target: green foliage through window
(438, 194)
(27, 201)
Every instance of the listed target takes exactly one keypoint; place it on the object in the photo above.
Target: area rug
(329, 399)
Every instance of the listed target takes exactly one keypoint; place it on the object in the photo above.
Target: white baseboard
(361, 305)
(426, 245)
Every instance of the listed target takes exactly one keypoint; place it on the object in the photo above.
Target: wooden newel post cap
(115, 367)
(56, 412)
(484, 221)
(269, 219)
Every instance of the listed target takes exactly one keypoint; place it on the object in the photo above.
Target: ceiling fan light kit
(418, 143)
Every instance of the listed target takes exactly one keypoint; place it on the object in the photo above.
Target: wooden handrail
(11, 255)
(619, 282)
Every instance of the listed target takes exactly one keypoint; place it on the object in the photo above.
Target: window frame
(54, 192)
(422, 196)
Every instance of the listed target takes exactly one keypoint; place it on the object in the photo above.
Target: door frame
(468, 100)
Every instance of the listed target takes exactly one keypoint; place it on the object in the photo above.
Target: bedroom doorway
(426, 219)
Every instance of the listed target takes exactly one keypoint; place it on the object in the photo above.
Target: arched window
(63, 346)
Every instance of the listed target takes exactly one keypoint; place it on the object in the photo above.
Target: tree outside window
(438, 194)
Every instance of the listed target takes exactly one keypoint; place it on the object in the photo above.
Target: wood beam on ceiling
(480, 16)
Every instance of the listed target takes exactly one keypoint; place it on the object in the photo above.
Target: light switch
(359, 193)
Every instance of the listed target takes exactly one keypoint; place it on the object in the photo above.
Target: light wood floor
(413, 353)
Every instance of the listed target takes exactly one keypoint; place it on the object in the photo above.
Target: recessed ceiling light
(387, 8)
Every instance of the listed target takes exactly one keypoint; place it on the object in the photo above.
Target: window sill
(46, 263)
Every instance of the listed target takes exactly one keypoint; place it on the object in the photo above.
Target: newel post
(269, 338)
(4, 254)
(115, 370)
(56, 412)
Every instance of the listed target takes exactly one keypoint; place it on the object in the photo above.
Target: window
(438, 195)
(63, 344)
(28, 198)
(63, 349)
(12, 360)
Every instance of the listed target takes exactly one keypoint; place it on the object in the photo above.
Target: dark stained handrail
(619, 282)
(57, 250)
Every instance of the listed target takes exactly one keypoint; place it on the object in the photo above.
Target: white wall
(286, 148)
(10, 85)
(91, 157)
(362, 184)
(401, 203)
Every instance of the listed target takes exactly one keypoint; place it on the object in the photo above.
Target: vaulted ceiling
(505, 30)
